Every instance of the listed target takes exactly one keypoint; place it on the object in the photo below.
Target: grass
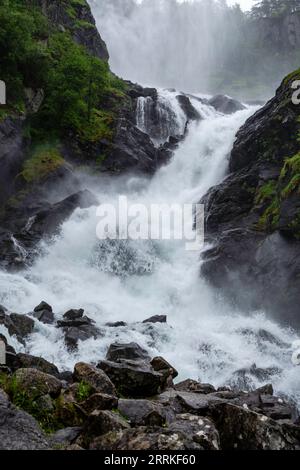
(44, 160)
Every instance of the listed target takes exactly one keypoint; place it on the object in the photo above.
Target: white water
(131, 281)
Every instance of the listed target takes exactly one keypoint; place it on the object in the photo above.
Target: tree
(272, 8)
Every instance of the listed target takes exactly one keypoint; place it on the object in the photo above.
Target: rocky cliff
(253, 217)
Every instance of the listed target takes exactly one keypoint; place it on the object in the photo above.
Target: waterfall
(131, 280)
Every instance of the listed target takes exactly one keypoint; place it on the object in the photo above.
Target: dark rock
(102, 422)
(36, 383)
(242, 429)
(99, 401)
(43, 306)
(133, 378)
(265, 390)
(44, 316)
(145, 412)
(244, 378)
(193, 386)
(66, 376)
(132, 351)
(73, 314)
(65, 436)
(190, 402)
(18, 430)
(200, 430)
(26, 361)
(159, 364)
(83, 321)
(17, 325)
(156, 319)
(187, 107)
(116, 324)
(74, 334)
(225, 104)
(95, 378)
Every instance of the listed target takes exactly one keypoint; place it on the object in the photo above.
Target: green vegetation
(44, 160)
(84, 391)
(81, 94)
(266, 192)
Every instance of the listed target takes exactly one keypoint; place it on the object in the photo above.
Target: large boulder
(226, 105)
(18, 430)
(133, 378)
(95, 378)
(145, 412)
(17, 325)
(43, 312)
(132, 351)
(77, 327)
(36, 383)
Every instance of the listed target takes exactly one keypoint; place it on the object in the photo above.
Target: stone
(18, 325)
(145, 412)
(18, 430)
(156, 319)
(99, 401)
(36, 383)
(133, 378)
(194, 386)
(159, 364)
(200, 430)
(43, 306)
(102, 422)
(225, 104)
(94, 377)
(116, 324)
(73, 314)
(132, 351)
(44, 316)
(33, 362)
(66, 436)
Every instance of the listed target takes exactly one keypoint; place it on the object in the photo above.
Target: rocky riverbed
(127, 401)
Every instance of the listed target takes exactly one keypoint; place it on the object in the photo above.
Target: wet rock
(145, 412)
(102, 422)
(18, 430)
(244, 378)
(36, 383)
(265, 390)
(194, 386)
(133, 378)
(187, 107)
(18, 325)
(200, 430)
(99, 401)
(44, 316)
(94, 377)
(225, 104)
(65, 436)
(73, 314)
(159, 364)
(43, 306)
(116, 324)
(77, 327)
(242, 429)
(156, 319)
(132, 351)
(33, 362)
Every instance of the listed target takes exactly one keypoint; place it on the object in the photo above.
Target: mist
(202, 46)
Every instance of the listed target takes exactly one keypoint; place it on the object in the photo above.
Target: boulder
(36, 383)
(33, 362)
(132, 351)
(194, 386)
(73, 314)
(66, 436)
(101, 422)
(18, 430)
(116, 324)
(133, 378)
(188, 109)
(225, 104)
(44, 316)
(159, 364)
(95, 378)
(77, 327)
(99, 401)
(145, 412)
(198, 429)
(43, 306)
(242, 429)
(156, 319)
(17, 325)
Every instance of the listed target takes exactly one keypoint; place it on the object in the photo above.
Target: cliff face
(253, 217)
(280, 34)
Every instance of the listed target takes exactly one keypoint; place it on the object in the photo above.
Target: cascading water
(132, 280)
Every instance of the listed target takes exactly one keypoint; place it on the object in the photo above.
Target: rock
(242, 429)
(43, 306)
(190, 402)
(225, 104)
(265, 390)
(132, 351)
(73, 314)
(65, 436)
(159, 364)
(99, 401)
(187, 107)
(36, 383)
(193, 386)
(95, 378)
(145, 412)
(133, 378)
(200, 430)
(116, 324)
(33, 100)
(18, 325)
(81, 333)
(45, 403)
(102, 422)
(156, 319)
(44, 316)
(245, 378)
(32, 362)
(18, 430)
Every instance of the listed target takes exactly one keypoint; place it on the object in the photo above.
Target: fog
(167, 43)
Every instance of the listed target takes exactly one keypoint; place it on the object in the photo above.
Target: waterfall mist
(167, 43)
